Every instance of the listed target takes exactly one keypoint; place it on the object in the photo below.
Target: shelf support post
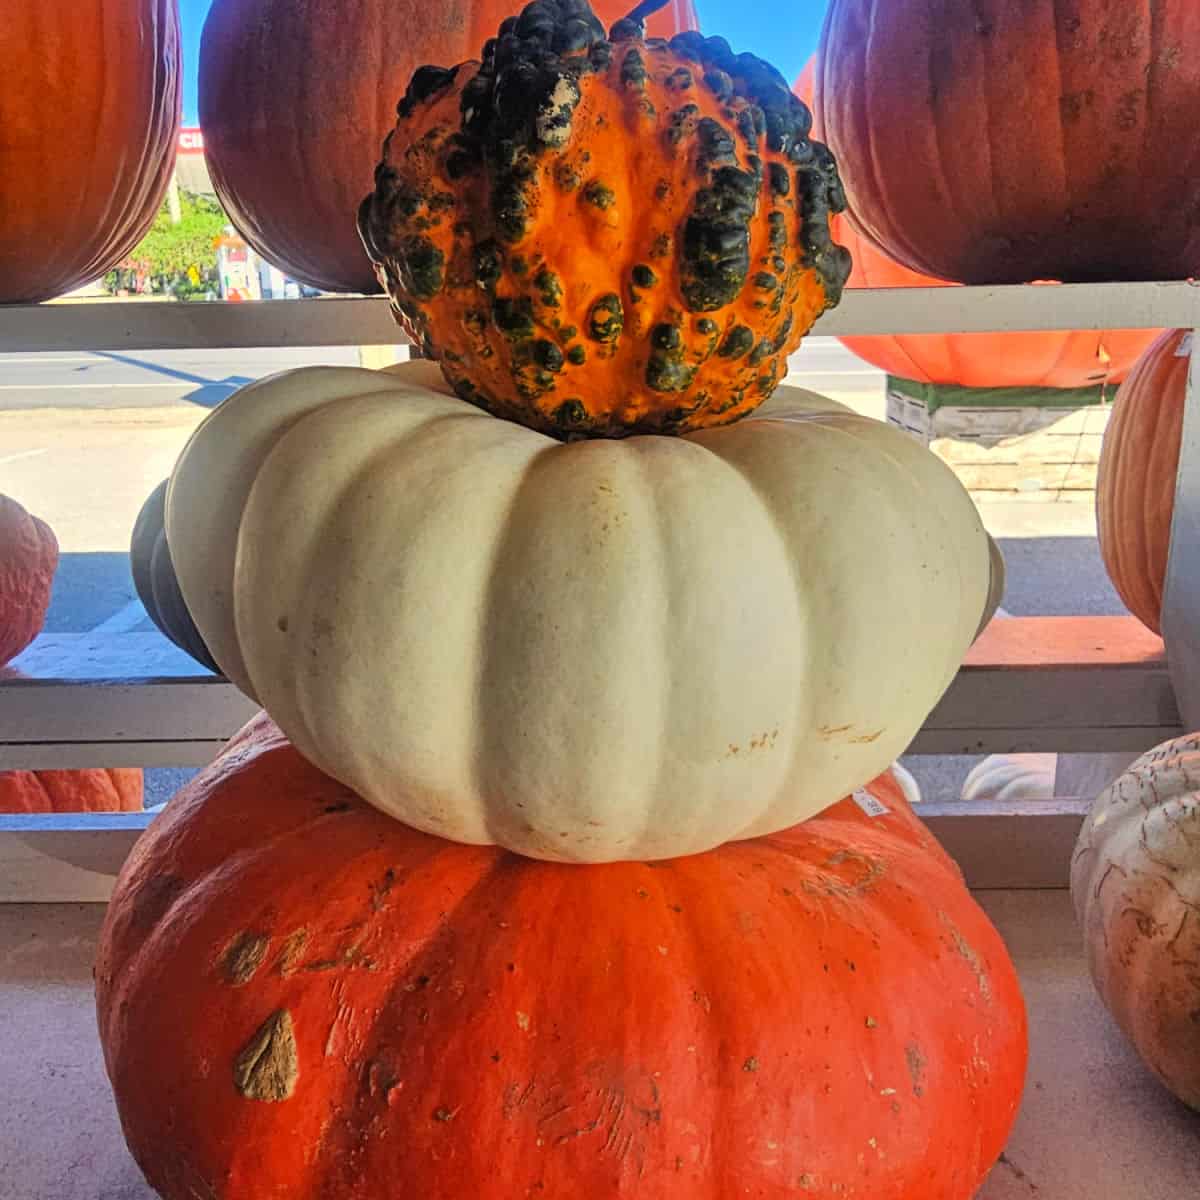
(1181, 589)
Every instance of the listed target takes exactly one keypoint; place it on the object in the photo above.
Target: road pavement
(145, 378)
(171, 378)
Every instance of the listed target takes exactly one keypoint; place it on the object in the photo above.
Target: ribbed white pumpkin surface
(599, 650)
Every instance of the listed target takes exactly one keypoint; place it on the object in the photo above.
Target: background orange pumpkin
(87, 791)
(824, 1011)
(1135, 483)
(296, 97)
(28, 560)
(1040, 359)
(994, 142)
(89, 108)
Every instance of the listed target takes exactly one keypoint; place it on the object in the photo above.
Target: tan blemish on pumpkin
(267, 1067)
(288, 961)
(870, 872)
(968, 953)
(916, 1067)
(243, 956)
(864, 738)
(765, 741)
(828, 732)
(380, 890)
(349, 955)
(523, 1021)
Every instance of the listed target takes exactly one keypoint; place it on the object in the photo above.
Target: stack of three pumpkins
(537, 880)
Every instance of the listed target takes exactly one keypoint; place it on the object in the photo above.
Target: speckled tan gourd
(1135, 881)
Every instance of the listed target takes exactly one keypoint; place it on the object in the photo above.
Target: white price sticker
(869, 805)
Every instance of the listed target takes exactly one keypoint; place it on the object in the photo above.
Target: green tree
(182, 255)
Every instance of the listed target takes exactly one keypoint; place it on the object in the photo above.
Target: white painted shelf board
(355, 321)
(171, 325)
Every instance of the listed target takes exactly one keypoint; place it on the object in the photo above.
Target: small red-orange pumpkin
(1135, 485)
(86, 791)
(823, 1012)
(28, 560)
(296, 97)
(89, 113)
(1049, 358)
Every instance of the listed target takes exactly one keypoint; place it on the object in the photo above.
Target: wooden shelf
(170, 325)
(364, 321)
(1062, 684)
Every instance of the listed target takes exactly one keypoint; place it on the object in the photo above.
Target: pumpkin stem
(647, 8)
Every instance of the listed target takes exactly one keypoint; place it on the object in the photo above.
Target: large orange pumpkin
(28, 560)
(89, 112)
(994, 142)
(118, 789)
(597, 235)
(1135, 484)
(296, 97)
(299, 996)
(1041, 359)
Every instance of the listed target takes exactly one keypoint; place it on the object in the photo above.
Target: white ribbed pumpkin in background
(585, 651)
(1008, 777)
(1135, 882)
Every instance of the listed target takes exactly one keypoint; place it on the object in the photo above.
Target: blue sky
(783, 31)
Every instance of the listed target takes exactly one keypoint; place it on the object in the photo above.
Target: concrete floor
(1094, 1125)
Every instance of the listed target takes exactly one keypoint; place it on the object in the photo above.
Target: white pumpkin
(1011, 777)
(1135, 882)
(908, 783)
(586, 651)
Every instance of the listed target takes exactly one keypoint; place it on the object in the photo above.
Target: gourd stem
(647, 8)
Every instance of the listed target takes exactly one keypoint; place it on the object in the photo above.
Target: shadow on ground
(208, 394)
(89, 588)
